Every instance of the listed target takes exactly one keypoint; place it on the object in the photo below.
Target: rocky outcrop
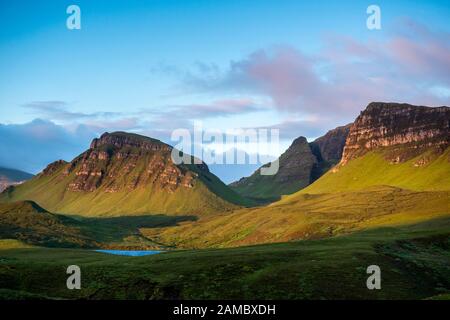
(53, 167)
(296, 163)
(119, 140)
(127, 174)
(295, 167)
(122, 161)
(403, 130)
(330, 146)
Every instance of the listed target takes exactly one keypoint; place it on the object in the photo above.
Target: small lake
(131, 253)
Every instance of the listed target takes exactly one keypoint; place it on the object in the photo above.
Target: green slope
(51, 192)
(264, 189)
(26, 222)
(127, 185)
(307, 217)
(367, 192)
(372, 170)
(414, 261)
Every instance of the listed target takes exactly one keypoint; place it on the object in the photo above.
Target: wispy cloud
(59, 110)
(216, 108)
(407, 66)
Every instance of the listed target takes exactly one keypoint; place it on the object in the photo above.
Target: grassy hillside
(414, 262)
(13, 244)
(429, 171)
(264, 189)
(51, 193)
(307, 217)
(26, 222)
(126, 174)
(367, 192)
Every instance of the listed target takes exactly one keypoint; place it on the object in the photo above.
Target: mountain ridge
(295, 167)
(411, 127)
(300, 165)
(125, 173)
(367, 191)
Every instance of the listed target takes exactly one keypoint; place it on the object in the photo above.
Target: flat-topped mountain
(123, 161)
(122, 174)
(406, 129)
(393, 144)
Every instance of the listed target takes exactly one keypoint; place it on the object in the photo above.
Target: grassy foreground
(414, 262)
(307, 216)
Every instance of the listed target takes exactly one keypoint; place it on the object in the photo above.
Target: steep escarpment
(122, 174)
(399, 145)
(120, 161)
(402, 129)
(329, 147)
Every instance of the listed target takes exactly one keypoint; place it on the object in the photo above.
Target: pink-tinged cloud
(346, 75)
(284, 73)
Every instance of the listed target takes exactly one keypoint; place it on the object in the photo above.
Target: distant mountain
(295, 167)
(10, 177)
(300, 165)
(394, 172)
(126, 174)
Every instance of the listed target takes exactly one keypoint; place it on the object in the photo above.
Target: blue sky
(154, 66)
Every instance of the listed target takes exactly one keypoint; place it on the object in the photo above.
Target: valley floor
(414, 261)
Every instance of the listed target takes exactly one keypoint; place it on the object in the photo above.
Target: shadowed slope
(28, 222)
(307, 217)
(400, 177)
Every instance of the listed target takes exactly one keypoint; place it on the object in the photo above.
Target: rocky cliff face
(330, 146)
(126, 174)
(296, 163)
(123, 161)
(295, 167)
(403, 130)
